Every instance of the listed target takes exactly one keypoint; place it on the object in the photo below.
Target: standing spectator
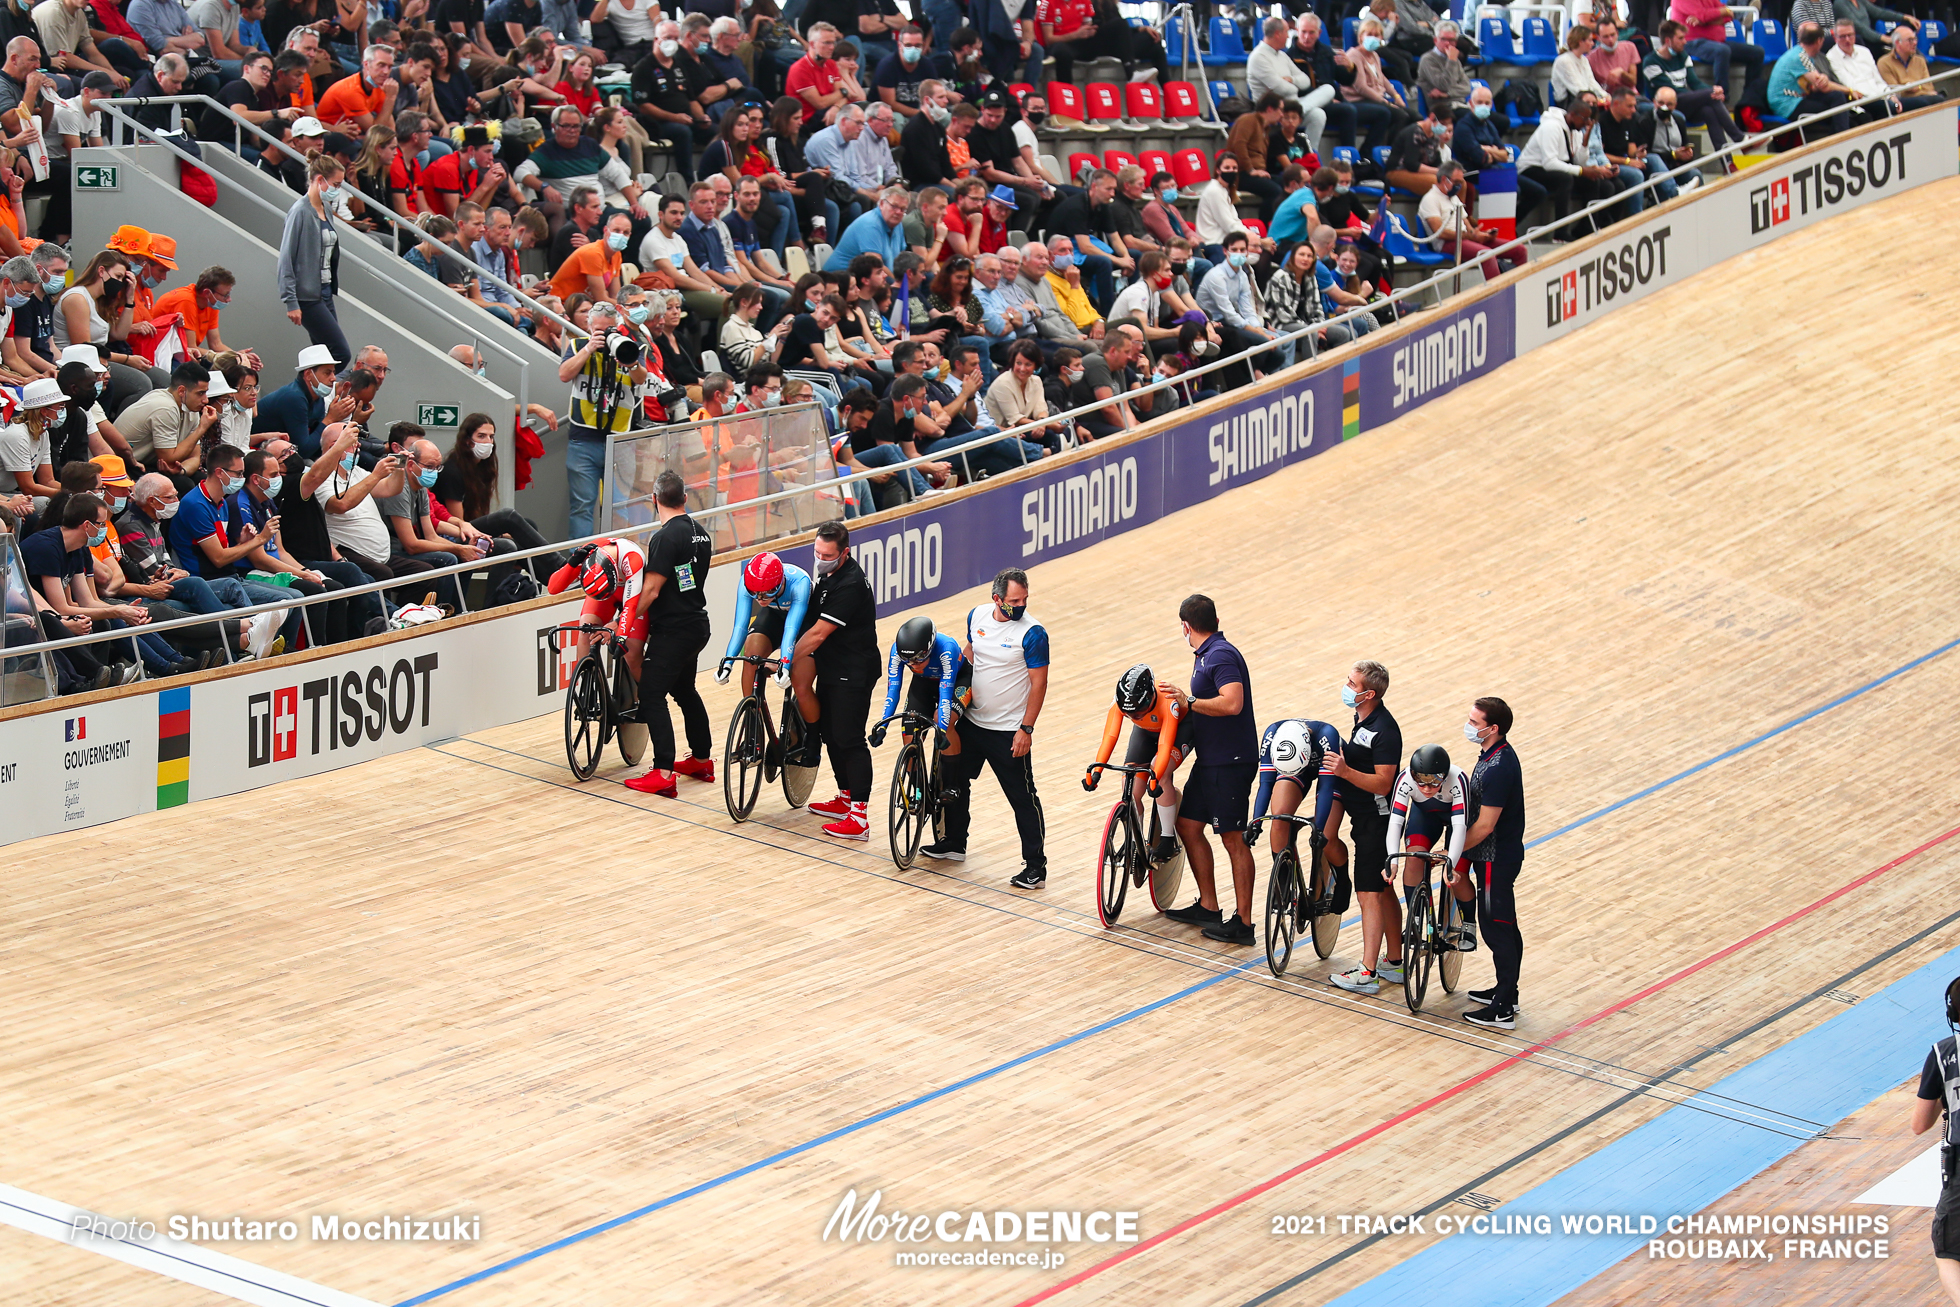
(1008, 651)
(836, 670)
(1495, 851)
(1364, 775)
(309, 257)
(1440, 72)
(1247, 144)
(1449, 222)
(603, 391)
(1226, 736)
(671, 614)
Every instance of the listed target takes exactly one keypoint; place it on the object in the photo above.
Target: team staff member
(1227, 739)
(1496, 843)
(1939, 1095)
(836, 671)
(1008, 652)
(1364, 774)
(673, 607)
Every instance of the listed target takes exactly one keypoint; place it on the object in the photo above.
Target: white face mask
(168, 511)
(668, 49)
(483, 448)
(1472, 734)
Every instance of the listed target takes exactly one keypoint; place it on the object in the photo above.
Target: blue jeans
(1098, 278)
(946, 18)
(1666, 189)
(987, 369)
(585, 465)
(201, 596)
(886, 456)
(1718, 55)
(1631, 177)
(774, 300)
(1003, 455)
(788, 229)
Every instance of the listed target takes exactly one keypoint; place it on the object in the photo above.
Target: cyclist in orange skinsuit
(1160, 734)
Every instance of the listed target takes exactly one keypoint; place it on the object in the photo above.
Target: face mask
(1162, 281)
(15, 301)
(943, 370)
(272, 487)
(1441, 129)
(939, 113)
(825, 566)
(1236, 258)
(167, 512)
(1163, 375)
(323, 389)
(347, 463)
(1169, 194)
(1229, 178)
(98, 537)
(55, 285)
(1340, 189)
(615, 240)
(483, 448)
(234, 484)
(1178, 269)
(331, 196)
(1371, 43)
(668, 49)
(1472, 734)
(638, 313)
(1014, 611)
(427, 476)
(1200, 348)
(701, 48)
(1481, 110)
(911, 54)
(771, 398)
(1063, 262)
(153, 279)
(1072, 375)
(1036, 118)
(1349, 697)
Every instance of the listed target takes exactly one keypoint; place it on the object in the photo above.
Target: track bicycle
(1124, 856)
(1297, 903)
(915, 801)
(755, 750)
(1427, 937)
(597, 701)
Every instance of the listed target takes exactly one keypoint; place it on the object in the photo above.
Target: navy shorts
(1219, 796)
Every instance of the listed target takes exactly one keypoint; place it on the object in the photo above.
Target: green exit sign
(98, 177)
(437, 415)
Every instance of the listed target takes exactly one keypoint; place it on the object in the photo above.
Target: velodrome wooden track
(452, 980)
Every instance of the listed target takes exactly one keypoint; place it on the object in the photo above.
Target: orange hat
(113, 471)
(163, 249)
(133, 241)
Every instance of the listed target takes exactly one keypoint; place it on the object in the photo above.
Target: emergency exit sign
(98, 177)
(437, 415)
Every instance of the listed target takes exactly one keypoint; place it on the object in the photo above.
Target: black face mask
(81, 399)
(1036, 118)
(1178, 269)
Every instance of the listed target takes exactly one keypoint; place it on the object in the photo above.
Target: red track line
(1514, 1060)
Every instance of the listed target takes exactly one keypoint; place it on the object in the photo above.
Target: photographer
(604, 377)
(1939, 1096)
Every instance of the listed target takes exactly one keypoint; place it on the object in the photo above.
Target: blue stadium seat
(1174, 42)
(1381, 162)
(1349, 39)
(1768, 34)
(1519, 120)
(1540, 45)
(1222, 91)
(1404, 250)
(1226, 47)
(1494, 39)
(1352, 157)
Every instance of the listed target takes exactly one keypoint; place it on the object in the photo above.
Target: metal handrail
(374, 205)
(980, 440)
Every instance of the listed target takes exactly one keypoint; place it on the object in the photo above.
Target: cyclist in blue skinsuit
(1291, 754)
(938, 672)
(778, 596)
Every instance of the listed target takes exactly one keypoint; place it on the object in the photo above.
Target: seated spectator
(1476, 138)
(662, 98)
(302, 407)
(1098, 380)
(966, 418)
(163, 427)
(199, 304)
(1296, 215)
(742, 342)
(880, 231)
(26, 447)
(1412, 160)
(1085, 217)
(568, 160)
(471, 173)
(1017, 397)
(1903, 65)
(202, 538)
(1227, 298)
(467, 490)
(594, 268)
(1440, 72)
(1247, 144)
(418, 540)
(1455, 233)
(1269, 69)
(1060, 292)
(1853, 67)
(952, 297)
(254, 505)
(61, 571)
(1668, 64)
(927, 232)
(1378, 107)
(584, 224)
(890, 437)
(354, 104)
(1293, 304)
(1218, 207)
(1799, 86)
(1555, 160)
(1143, 300)
(1624, 138)
(153, 571)
(681, 366)
(1341, 288)
(1707, 23)
(27, 346)
(1008, 309)
(1616, 62)
(1572, 73)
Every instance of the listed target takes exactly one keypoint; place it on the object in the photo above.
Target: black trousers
(1818, 102)
(1567, 193)
(979, 748)
(1111, 41)
(844, 706)
(1497, 908)
(672, 654)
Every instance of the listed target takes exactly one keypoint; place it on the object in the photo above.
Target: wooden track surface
(451, 980)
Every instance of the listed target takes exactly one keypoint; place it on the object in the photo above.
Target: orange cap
(113, 471)
(133, 241)
(163, 249)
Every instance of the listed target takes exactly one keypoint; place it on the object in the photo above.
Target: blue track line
(1127, 1017)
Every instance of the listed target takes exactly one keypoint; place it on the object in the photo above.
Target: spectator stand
(24, 678)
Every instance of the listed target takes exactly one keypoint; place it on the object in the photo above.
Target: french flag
(1497, 199)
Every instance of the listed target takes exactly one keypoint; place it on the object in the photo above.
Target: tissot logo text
(337, 712)
(1615, 271)
(1818, 186)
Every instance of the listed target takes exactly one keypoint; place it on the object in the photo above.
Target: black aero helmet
(1953, 1004)
(915, 639)
(1136, 689)
(1429, 764)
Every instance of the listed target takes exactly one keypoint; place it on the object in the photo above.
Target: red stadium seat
(1114, 159)
(1146, 101)
(1256, 227)
(1021, 90)
(1104, 104)
(1155, 161)
(1064, 101)
(1191, 169)
(1181, 102)
(1077, 162)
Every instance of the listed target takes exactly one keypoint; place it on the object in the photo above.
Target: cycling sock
(1409, 896)
(1467, 909)
(1166, 818)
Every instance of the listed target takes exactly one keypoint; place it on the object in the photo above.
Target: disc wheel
(1166, 878)
(741, 760)
(797, 781)
(907, 813)
(1417, 936)
(1325, 922)
(1449, 961)
(1282, 901)
(632, 732)
(1113, 864)
(937, 798)
(588, 717)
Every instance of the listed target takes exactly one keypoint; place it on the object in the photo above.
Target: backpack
(515, 589)
(1522, 96)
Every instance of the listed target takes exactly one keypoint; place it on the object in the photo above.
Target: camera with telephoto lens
(622, 349)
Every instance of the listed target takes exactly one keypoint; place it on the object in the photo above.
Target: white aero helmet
(1292, 749)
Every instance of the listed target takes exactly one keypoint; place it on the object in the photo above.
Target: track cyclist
(611, 572)
(770, 609)
(1160, 734)
(1431, 793)
(1294, 755)
(938, 673)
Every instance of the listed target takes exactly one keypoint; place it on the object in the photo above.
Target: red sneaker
(655, 782)
(837, 807)
(852, 826)
(701, 769)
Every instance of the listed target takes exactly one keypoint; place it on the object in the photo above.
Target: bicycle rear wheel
(797, 781)
(1326, 923)
(1417, 937)
(1282, 898)
(633, 736)
(1113, 860)
(906, 815)
(1449, 959)
(742, 761)
(588, 720)
(1166, 878)
(936, 796)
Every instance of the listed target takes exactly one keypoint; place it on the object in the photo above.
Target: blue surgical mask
(1340, 189)
(1170, 194)
(272, 487)
(1063, 262)
(701, 47)
(1349, 697)
(55, 285)
(15, 301)
(1472, 734)
(1441, 129)
(1481, 110)
(323, 389)
(1236, 258)
(98, 537)
(234, 484)
(1371, 43)
(911, 54)
(427, 476)
(347, 462)
(615, 240)
(638, 314)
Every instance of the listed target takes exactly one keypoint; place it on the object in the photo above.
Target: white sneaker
(1357, 980)
(260, 630)
(1390, 972)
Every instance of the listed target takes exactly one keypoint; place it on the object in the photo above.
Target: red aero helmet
(763, 575)
(601, 577)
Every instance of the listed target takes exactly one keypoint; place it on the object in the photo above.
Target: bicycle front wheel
(1417, 938)
(1282, 895)
(1113, 860)
(906, 814)
(588, 718)
(1449, 959)
(742, 760)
